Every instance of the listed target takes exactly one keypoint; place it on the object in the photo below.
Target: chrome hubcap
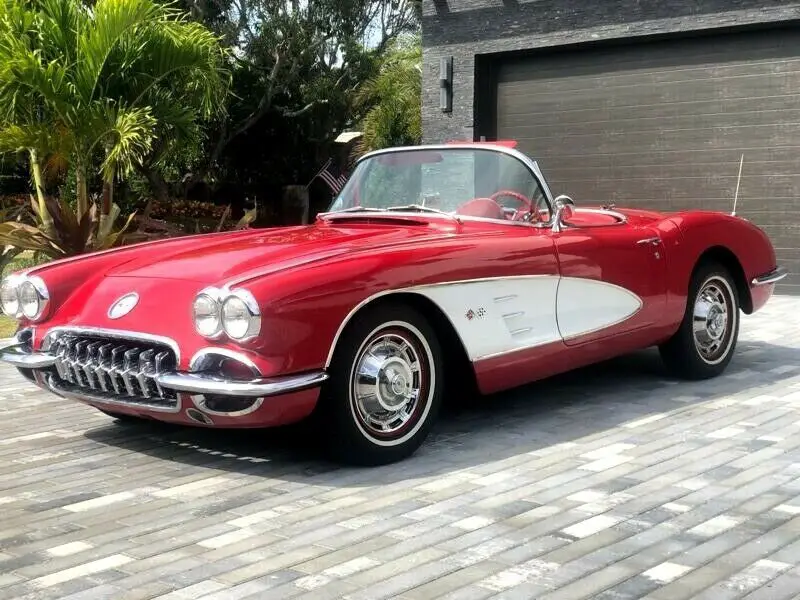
(390, 378)
(712, 310)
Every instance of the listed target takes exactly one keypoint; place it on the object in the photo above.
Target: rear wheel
(385, 387)
(705, 342)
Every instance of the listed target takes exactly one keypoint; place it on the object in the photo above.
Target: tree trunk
(44, 213)
(158, 188)
(106, 214)
(82, 193)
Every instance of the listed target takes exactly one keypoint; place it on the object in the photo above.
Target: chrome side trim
(198, 383)
(773, 276)
(85, 397)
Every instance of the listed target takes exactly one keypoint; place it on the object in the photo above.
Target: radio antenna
(738, 181)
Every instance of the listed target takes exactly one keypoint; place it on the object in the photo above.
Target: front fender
(707, 233)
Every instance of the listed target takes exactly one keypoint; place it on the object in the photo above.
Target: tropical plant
(100, 85)
(394, 116)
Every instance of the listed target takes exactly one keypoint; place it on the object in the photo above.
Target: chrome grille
(117, 369)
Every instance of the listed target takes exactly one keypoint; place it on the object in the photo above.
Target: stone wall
(466, 28)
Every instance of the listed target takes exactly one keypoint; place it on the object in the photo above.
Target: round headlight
(206, 315)
(8, 297)
(29, 300)
(239, 319)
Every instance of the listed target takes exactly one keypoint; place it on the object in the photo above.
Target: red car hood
(238, 254)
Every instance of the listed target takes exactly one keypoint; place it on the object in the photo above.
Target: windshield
(472, 182)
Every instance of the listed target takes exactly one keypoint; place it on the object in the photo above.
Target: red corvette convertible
(434, 264)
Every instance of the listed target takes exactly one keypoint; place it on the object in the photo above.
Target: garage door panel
(606, 142)
(663, 125)
(647, 119)
(741, 75)
(767, 109)
(664, 57)
(754, 90)
(726, 170)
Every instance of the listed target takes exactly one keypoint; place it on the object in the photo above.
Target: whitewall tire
(706, 340)
(385, 388)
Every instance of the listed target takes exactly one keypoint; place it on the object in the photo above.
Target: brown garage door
(664, 124)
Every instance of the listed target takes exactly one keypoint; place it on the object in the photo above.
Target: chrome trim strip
(773, 276)
(196, 383)
(84, 397)
(27, 360)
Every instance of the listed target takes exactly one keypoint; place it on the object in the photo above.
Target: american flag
(333, 181)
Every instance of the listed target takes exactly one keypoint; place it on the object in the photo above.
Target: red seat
(481, 207)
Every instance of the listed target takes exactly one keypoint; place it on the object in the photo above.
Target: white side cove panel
(496, 316)
(587, 305)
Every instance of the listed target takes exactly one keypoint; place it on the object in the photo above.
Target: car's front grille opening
(122, 370)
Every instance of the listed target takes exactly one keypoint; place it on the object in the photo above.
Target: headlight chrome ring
(234, 313)
(207, 313)
(241, 316)
(23, 296)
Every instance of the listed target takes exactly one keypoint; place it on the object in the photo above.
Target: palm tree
(103, 82)
(394, 96)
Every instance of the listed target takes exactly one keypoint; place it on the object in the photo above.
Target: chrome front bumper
(202, 383)
(14, 352)
(771, 277)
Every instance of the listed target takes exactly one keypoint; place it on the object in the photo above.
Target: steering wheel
(521, 198)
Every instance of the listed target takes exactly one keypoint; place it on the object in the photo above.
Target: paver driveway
(612, 482)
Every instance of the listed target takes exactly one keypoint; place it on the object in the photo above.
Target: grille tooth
(88, 364)
(128, 373)
(103, 360)
(115, 367)
(145, 371)
(61, 357)
(160, 365)
(75, 360)
(118, 369)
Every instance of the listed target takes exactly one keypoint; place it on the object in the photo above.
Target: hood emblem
(123, 306)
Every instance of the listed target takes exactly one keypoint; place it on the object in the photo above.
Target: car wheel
(385, 388)
(705, 342)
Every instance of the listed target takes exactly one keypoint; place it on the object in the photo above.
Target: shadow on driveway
(561, 409)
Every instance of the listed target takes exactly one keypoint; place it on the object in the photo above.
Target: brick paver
(613, 482)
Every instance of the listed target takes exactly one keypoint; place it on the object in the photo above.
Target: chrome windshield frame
(531, 165)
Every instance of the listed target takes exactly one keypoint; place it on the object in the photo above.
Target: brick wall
(465, 28)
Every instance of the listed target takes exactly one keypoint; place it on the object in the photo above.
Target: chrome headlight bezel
(211, 295)
(252, 315)
(221, 298)
(40, 293)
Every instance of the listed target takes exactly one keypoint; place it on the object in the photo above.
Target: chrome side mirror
(564, 210)
(564, 199)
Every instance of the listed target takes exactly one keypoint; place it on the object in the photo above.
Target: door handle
(653, 241)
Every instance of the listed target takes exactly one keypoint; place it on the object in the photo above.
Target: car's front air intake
(122, 370)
